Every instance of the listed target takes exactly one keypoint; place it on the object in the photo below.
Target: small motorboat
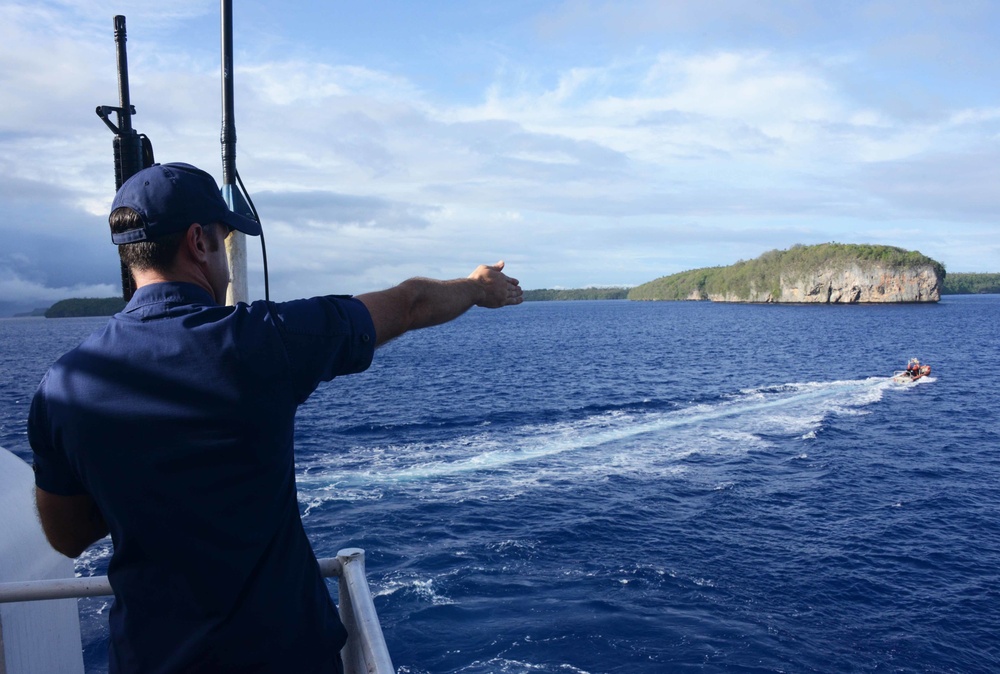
(914, 371)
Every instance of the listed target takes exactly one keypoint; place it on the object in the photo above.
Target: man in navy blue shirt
(172, 430)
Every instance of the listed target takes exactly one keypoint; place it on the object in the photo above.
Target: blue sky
(586, 143)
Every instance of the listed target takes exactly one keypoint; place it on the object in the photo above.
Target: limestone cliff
(823, 274)
(848, 285)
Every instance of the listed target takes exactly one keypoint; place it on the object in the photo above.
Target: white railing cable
(98, 586)
(56, 588)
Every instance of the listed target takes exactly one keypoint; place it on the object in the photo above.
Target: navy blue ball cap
(170, 197)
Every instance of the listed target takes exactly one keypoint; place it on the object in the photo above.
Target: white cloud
(974, 116)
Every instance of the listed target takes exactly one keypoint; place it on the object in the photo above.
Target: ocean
(614, 486)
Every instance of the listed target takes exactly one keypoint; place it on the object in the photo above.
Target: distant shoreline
(559, 294)
(958, 283)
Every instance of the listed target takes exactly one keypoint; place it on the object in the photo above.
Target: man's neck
(147, 277)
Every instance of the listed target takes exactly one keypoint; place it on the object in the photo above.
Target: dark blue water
(652, 487)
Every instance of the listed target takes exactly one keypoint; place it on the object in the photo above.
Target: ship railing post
(365, 650)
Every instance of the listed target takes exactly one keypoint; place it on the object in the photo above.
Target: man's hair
(158, 253)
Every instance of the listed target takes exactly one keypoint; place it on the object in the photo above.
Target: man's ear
(196, 242)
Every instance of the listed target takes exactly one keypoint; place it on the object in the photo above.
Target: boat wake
(612, 441)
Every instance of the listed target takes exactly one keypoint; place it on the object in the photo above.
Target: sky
(586, 143)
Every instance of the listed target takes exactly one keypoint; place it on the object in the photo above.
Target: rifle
(133, 151)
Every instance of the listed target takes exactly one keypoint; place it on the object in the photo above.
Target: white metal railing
(55, 588)
(365, 651)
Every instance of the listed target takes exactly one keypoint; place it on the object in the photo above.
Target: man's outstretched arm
(421, 303)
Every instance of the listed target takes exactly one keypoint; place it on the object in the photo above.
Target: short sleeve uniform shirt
(177, 419)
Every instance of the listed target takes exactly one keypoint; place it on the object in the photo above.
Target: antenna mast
(236, 246)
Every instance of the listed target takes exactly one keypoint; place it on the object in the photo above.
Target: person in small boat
(913, 368)
(172, 429)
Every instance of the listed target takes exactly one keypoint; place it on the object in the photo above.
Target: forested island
(971, 284)
(85, 306)
(829, 273)
(546, 294)
(957, 283)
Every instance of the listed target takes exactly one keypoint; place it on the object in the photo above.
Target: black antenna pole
(234, 197)
(228, 109)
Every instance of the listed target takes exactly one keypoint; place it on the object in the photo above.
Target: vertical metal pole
(236, 246)
(365, 650)
(228, 116)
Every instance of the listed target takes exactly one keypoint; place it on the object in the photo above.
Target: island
(592, 293)
(85, 306)
(828, 273)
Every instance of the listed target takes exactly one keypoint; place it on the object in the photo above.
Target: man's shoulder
(322, 315)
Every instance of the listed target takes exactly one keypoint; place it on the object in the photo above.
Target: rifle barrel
(125, 105)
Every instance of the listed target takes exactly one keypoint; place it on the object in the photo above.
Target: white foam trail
(794, 410)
